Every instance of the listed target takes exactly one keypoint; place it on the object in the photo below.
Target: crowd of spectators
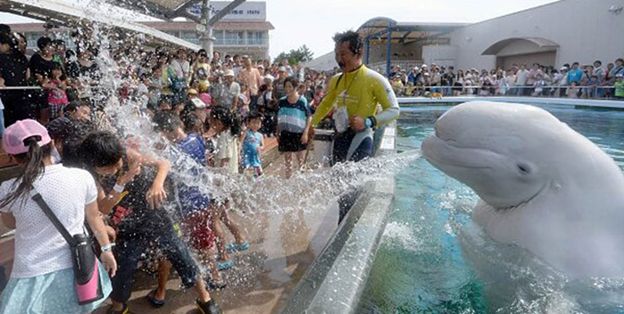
(216, 109)
(573, 81)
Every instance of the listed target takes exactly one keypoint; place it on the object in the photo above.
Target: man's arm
(387, 99)
(326, 104)
(156, 195)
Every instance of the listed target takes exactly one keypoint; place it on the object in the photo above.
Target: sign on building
(246, 11)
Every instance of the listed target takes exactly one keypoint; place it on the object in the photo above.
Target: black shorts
(290, 142)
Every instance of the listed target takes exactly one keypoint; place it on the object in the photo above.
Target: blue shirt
(251, 156)
(191, 198)
(293, 117)
(575, 75)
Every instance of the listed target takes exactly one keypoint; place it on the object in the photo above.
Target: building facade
(554, 34)
(245, 30)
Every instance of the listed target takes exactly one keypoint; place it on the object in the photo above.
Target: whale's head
(501, 150)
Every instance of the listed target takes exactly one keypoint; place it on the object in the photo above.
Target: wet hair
(43, 42)
(5, 29)
(74, 105)
(101, 149)
(353, 38)
(230, 120)
(59, 128)
(192, 124)
(5, 38)
(166, 121)
(32, 169)
(71, 151)
(253, 116)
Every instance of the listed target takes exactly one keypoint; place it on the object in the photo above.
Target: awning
(376, 29)
(541, 43)
(61, 13)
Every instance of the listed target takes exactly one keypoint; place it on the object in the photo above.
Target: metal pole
(207, 41)
(388, 49)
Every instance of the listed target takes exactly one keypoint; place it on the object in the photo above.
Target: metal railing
(19, 87)
(517, 90)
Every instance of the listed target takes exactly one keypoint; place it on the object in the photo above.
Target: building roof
(62, 13)
(325, 62)
(376, 29)
(539, 42)
(234, 26)
(169, 9)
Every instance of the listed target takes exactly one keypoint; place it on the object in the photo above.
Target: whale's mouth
(447, 152)
(462, 161)
(522, 203)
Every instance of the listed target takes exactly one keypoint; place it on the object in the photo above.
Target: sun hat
(228, 73)
(192, 91)
(14, 136)
(281, 69)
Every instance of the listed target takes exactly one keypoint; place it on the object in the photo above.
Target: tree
(302, 54)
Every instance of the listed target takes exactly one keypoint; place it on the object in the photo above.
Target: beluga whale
(542, 186)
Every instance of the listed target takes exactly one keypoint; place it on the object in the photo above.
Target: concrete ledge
(336, 279)
(523, 100)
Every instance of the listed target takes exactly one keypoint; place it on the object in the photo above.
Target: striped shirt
(293, 117)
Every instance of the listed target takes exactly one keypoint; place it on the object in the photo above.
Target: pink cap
(14, 136)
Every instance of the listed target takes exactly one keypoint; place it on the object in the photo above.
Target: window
(257, 38)
(219, 37)
(233, 38)
(190, 36)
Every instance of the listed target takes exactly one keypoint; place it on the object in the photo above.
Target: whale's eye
(524, 168)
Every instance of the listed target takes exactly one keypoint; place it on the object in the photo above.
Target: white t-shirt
(39, 247)
(227, 148)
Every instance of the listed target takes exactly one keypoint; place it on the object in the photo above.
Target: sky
(314, 22)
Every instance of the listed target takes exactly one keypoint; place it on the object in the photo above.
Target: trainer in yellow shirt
(354, 95)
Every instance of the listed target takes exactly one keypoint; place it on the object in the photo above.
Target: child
(267, 106)
(244, 99)
(193, 204)
(572, 90)
(293, 124)
(318, 96)
(57, 98)
(42, 279)
(253, 144)
(132, 183)
(619, 86)
(227, 128)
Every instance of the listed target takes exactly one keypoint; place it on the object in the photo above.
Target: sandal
(237, 247)
(124, 310)
(227, 264)
(151, 298)
(216, 284)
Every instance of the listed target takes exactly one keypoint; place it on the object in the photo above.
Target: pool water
(419, 267)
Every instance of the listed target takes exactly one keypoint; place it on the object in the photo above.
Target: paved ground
(282, 248)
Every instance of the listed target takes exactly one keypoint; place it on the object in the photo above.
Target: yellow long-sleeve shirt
(361, 91)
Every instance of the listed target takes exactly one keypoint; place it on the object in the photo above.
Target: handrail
(19, 87)
(512, 86)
